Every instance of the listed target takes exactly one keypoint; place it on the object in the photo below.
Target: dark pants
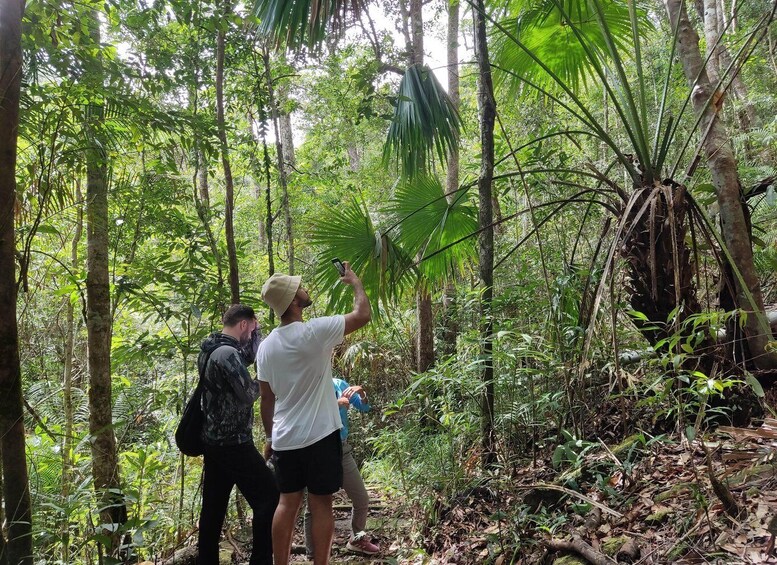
(225, 467)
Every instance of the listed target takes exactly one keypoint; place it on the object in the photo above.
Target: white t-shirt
(296, 361)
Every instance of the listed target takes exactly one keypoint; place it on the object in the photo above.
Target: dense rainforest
(564, 213)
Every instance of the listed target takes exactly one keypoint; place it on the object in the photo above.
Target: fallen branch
(576, 494)
(186, 556)
(577, 545)
(730, 505)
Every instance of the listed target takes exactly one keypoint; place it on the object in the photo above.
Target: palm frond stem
(630, 120)
(550, 95)
(528, 201)
(577, 198)
(568, 133)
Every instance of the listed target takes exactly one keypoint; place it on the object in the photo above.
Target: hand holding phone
(339, 266)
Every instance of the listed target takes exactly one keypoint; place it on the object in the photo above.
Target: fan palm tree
(425, 126)
(553, 47)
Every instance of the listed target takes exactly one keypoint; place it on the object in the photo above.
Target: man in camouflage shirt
(230, 456)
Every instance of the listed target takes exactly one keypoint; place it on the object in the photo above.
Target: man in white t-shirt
(299, 409)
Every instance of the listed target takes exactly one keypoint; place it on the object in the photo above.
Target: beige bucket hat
(279, 291)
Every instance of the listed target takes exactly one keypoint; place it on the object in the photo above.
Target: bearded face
(246, 327)
(303, 298)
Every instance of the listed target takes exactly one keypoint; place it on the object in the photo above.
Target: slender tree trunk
(403, 12)
(417, 30)
(269, 216)
(452, 175)
(202, 179)
(425, 320)
(15, 485)
(67, 380)
(105, 465)
(229, 208)
(3, 543)
(450, 327)
(487, 117)
(723, 167)
(201, 189)
(712, 34)
(424, 314)
(285, 204)
(287, 137)
(720, 60)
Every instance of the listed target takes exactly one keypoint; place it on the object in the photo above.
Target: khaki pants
(356, 491)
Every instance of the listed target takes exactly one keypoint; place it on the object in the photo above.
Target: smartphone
(339, 266)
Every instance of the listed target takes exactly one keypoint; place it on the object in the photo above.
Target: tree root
(577, 545)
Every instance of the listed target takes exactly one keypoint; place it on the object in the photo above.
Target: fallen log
(577, 545)
(186, 556)
(629, 552)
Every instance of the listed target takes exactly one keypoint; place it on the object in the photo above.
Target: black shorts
(317, 467)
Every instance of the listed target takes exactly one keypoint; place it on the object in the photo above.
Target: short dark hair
(236, 314)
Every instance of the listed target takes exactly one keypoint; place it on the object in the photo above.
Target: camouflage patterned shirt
(228, 392)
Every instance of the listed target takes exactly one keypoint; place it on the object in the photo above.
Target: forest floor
(713, 500)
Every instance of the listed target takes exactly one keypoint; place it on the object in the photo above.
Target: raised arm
(248, 350)
(362, 312)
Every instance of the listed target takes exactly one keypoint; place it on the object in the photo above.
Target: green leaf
(45, 228)
(299, 23)
(425, 127)
(432, 227)
(347, 232)
(754, 384)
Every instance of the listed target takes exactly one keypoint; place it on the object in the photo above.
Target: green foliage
(430, 465)
(548, 41)
(298, 23)
(439, 232)
(348, 232)
(425, 126)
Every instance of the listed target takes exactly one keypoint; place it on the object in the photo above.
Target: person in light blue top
(354, 398)
(350, 396)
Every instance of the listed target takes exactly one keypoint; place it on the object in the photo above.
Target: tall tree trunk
(105, 465)
(449, 325)
(487, 117)
(720, 59)
(3, 543)
(424, 314)
(202, 179)
(723, 168)
(285, 204)
(201, 188)
(15, 485)
(229, 208)
(425, 320)
(417, 31)
(67, 379)
(287, 138)
(712, 34)
(269, 215)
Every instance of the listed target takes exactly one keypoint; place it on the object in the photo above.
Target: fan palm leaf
(428, 223)
(545, 27)
(300, 23)
(425, 126)
(347, 232)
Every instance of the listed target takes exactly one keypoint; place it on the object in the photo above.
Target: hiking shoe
(360, 543)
